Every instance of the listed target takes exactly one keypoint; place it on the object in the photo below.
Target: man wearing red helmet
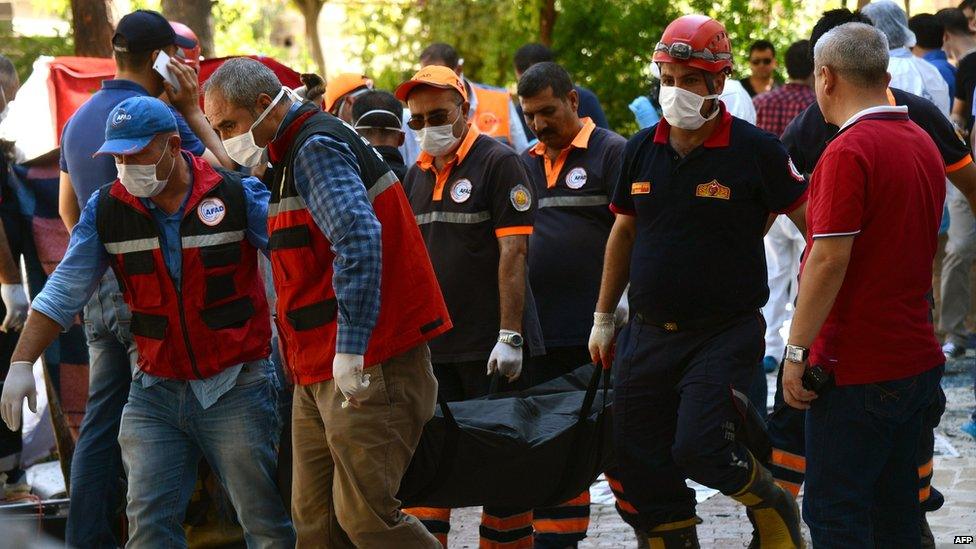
(696, 194)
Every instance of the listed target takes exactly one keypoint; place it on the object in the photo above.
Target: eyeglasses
(439, 118)
(762, 61)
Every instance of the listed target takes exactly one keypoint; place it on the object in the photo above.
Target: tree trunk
(92, 28)
(547, 21)
(310, 11)
(196, 15)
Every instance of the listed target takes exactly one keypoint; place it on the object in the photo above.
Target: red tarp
(288, 77)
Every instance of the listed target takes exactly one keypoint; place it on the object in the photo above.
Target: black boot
(772, 511)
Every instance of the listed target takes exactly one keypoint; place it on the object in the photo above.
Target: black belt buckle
(817, 379)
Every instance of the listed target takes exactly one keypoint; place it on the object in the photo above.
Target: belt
(702, 323)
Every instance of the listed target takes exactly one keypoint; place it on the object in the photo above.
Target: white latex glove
(347, 370)
(505, 359)
(15, 300)
(18, 386)
(622, 314)
(601, 338)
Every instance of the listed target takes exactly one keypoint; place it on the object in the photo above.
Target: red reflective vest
(217, 316)
(412, 310)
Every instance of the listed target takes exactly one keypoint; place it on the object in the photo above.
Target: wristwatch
(511, 338)
(795, 353)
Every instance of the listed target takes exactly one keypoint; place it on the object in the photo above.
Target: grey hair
(890, 19)
(855, 51)
(242, 80)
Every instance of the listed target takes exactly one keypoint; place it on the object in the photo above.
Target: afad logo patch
(713, 189)
(576, 178)
(461, 191)
(211, 211)
(121, 117)
(487, 122)
(640, 187)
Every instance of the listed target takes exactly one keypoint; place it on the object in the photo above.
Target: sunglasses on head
(439, 118)
(762, 61)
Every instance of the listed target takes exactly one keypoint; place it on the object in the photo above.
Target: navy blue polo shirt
(698, 251)
(572, 225)
(84, 134)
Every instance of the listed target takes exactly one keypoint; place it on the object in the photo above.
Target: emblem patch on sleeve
(521, 198)
(713, 189)
(640, 187)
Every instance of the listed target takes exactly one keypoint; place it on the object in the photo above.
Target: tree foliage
(606, 45)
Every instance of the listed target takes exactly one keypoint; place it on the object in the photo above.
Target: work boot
(772, 510)
(675, 535)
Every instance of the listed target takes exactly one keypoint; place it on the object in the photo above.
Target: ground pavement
(726, 524)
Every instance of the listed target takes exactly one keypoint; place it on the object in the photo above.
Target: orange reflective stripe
(508, 523)
(791, 487)
(561, 526)
(924, 493)
(525, 543)
(789, 461)
(956, 166)
(582, 499)
(429, 513)
(925, 470)
(512, 231)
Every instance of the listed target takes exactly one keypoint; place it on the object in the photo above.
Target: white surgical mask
(140, 179)
(682, 108)
(242, 148)
(438, 140)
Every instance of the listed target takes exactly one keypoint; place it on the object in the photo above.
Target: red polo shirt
(881, 180)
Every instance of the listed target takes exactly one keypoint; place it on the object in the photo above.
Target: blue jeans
(96, 467)
(164, 434)
(862, 462)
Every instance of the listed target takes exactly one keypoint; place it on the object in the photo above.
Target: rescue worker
(182, 239)
(806, 137)
(695, 195)
(492, 109)
(341, 93)
(572, 169)
(475, 208)
(378, 116)
(357, 302)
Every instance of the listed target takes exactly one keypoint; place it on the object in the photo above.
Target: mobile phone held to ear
(161, 66)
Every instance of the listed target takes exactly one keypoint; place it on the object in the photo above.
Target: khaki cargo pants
(348, 462)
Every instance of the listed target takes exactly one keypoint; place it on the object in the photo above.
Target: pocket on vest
(136, 263)
(221, 255)
(313, 316)
(229, 315)
(147, 325)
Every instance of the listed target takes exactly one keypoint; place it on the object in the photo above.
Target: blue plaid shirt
(327, 178)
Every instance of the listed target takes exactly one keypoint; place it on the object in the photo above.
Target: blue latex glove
(644, 111)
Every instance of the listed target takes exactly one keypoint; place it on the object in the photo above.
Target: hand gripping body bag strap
(534, 448)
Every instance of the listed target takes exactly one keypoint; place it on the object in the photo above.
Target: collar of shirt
(426, 162)
(718, 139)
(120, 84)
(898, 111)
(936, 55)
(581, 141)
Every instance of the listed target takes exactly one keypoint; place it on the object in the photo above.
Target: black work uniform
(462, 210)
(567, 244)
(697, 281)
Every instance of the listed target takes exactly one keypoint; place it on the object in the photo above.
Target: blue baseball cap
(133, 123)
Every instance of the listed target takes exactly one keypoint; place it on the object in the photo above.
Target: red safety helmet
(698, 41)
(191, 56)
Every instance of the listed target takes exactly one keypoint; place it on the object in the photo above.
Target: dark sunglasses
(417, 123)
(762, 61)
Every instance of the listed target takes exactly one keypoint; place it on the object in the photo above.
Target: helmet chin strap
(710, 85)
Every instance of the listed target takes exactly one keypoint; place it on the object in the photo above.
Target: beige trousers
(348, 462)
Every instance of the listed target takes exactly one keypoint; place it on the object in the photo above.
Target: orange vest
(491, 117)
